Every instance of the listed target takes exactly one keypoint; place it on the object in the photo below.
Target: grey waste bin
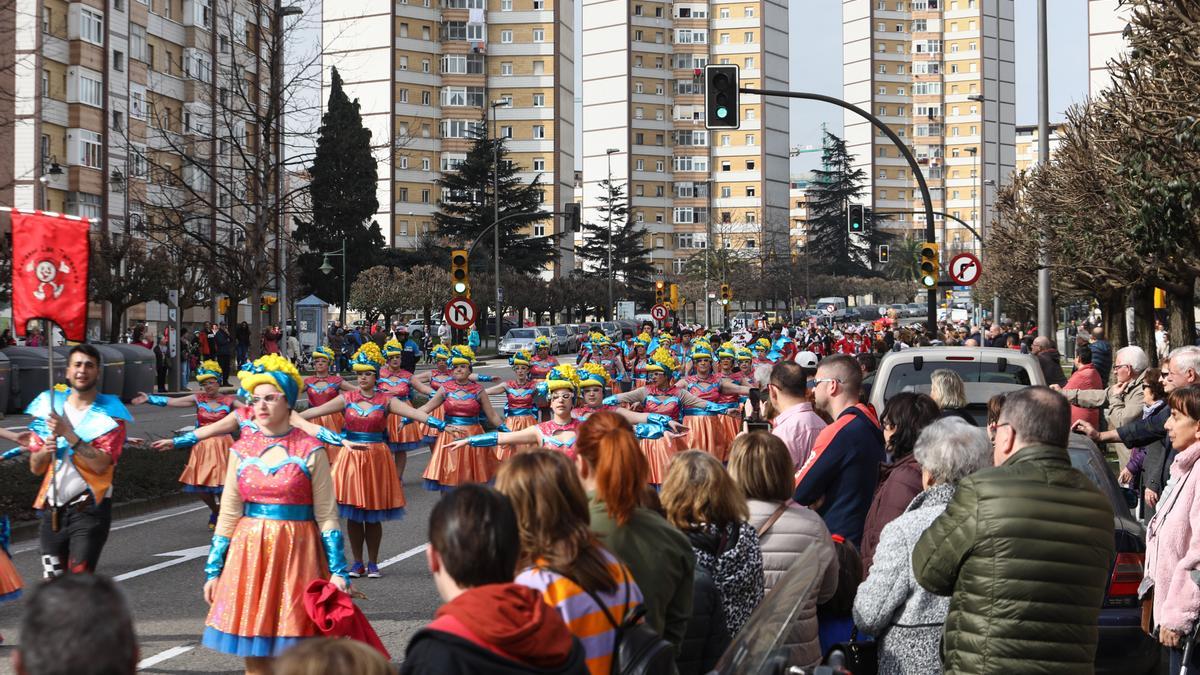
(29, 374)
(139, 370)
(112, 367)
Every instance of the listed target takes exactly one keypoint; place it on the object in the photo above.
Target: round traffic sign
(883, 310)
(659, 312)
(460, 313)
(965, 269)
(830, 309)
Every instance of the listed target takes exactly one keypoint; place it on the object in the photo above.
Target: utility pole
(608, 155)
(1045, 304)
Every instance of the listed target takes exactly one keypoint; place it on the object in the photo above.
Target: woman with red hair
(614, 472)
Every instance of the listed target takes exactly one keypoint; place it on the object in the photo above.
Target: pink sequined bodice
(366, 414)
(395, 383)
(462, 400)
(321, 390)
(519, 395)
(665, 402)
(439, 378)
(539, 368)
(280, 481)
(211, 409)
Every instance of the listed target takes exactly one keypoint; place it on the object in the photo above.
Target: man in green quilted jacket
(1024, 550)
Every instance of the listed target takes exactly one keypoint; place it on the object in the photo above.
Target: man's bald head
(1042, 342)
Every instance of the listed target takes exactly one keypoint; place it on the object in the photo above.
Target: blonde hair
(698, 490)
(947, 389)
(761, 467)
(329, 656)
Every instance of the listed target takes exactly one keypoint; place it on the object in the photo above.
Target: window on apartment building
(403, 163)
(882, 69)
(539, 67)
(659, 166)
(403, 95)
(402, 194)
(425, 65)
(118, 120)
(639, 165)
(91, 26)
(426, 98)
(91, 90)
(726, 191)
(882, 110)
(402, 63)
(90, 149)
(880, 27)
(637, 36)
(749, 63)
(881, 48)
(639, 113)
(507, 99)
(403, 30)
(637, 87)
(749, 114)
(539, 35)
(539, 131)
(506, 37)
(749, 165)
(506, 68)
(726, 165)
(639, 138)
(639, 190)
(425, 164)
(750, 191)
(539, 100)
(45, 83)
(118, 60)
(658, 37)
(724, 38)
(506, 131)
(426, 34)
(539, 164)
(658, 63)
(724, 13)
(505, 5)
(882, 91)
(47, 18)
(424, 196)
(637, 10)
(539, 5)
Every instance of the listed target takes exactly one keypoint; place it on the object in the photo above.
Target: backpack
(639, 650)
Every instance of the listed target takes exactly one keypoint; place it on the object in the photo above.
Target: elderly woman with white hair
(946, 388)
(1122, 400)
(905, 618)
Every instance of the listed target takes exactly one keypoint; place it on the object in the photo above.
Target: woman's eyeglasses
(270, 399)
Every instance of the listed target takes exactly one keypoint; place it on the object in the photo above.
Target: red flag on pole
(50, 272)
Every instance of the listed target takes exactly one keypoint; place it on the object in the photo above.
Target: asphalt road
(158, 559)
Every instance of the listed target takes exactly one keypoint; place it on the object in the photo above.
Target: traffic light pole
(930, 231)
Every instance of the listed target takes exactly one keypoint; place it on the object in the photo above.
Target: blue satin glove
(485, 378)
(488, 440)
(660, 419)
(335, 553)
(329, 437)
(9, 454)
(648, 431)
(185, 440)
(155, 399)
(611, 399)
(504, 428)
(216, 557)
(435, 423)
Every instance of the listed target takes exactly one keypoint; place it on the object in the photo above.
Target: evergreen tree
(342, 190)
(630, 256)
(829, 241)
(466, 207)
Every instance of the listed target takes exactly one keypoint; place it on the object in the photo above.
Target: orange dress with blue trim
(319, 391)
(706, 429)
(278, 499)
(539, 368)
(732, 419)
(438, 378)
(365, 481)
(670, 402)
(450, 467)
(403, 434)
(10, 580)
(205, 469)
(520, 412)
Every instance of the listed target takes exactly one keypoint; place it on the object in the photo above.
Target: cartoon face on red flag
(50, 272)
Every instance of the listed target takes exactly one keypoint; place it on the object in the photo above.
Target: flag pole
(48, 327)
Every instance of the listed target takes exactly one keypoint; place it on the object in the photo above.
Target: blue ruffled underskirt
(242, 646)
(369, 516)
(204, 489)
(8, 597)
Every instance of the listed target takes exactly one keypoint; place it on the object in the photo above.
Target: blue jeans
(243, 352)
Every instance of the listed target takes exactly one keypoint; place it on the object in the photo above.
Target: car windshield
(911, 377)
(521, 334)
(559, 330)
(1089, 464)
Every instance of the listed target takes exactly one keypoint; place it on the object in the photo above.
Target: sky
(815, 61)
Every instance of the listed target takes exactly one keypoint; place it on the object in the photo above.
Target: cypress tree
(829, 241)
(630, 255)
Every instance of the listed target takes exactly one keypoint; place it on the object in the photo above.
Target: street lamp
(54, 170)
(280, 13)
(496, 214)
(326, 268)
(608, 155)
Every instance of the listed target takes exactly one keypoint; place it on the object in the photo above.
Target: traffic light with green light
(721, 97)
(460, 280)
(726, 294)
(856, 222)
(929, 264)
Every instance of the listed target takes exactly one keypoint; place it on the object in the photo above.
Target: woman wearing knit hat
(367, 486)
(204, 473)
(465, 405)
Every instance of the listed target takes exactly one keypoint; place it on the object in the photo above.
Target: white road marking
(177, 558)
(404, 556)
(164, 655)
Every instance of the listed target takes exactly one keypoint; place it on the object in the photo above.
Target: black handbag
(860, 657)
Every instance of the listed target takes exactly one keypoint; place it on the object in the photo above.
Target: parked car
(517, 339)
(901, 310)
(985, 371)
(611, 329)
(916, 309)
(566, 339)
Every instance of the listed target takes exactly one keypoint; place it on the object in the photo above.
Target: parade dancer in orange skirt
(10, 580)
(593, 382)
(542, 362)
(365, 481)
(321, 388)
(278, 529)
(204, 473)
(520, 412)
(708, 430)
(404, 434)
(465, 405)
(727, 369)
(662, 396)
(430, 381)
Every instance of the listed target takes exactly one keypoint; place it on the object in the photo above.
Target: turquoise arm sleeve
(335, 553)
(216, 556)
(185, 440)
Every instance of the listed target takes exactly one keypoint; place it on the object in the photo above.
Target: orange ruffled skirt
(708, 433)
(659, 452)
(205, 469)
(404, 437)
(366, 485)
(259, 605)
(450, 468)
(334, 422)
(516, 423)
(10, 579)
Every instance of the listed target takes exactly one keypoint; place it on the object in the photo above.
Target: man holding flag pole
(78, 434)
